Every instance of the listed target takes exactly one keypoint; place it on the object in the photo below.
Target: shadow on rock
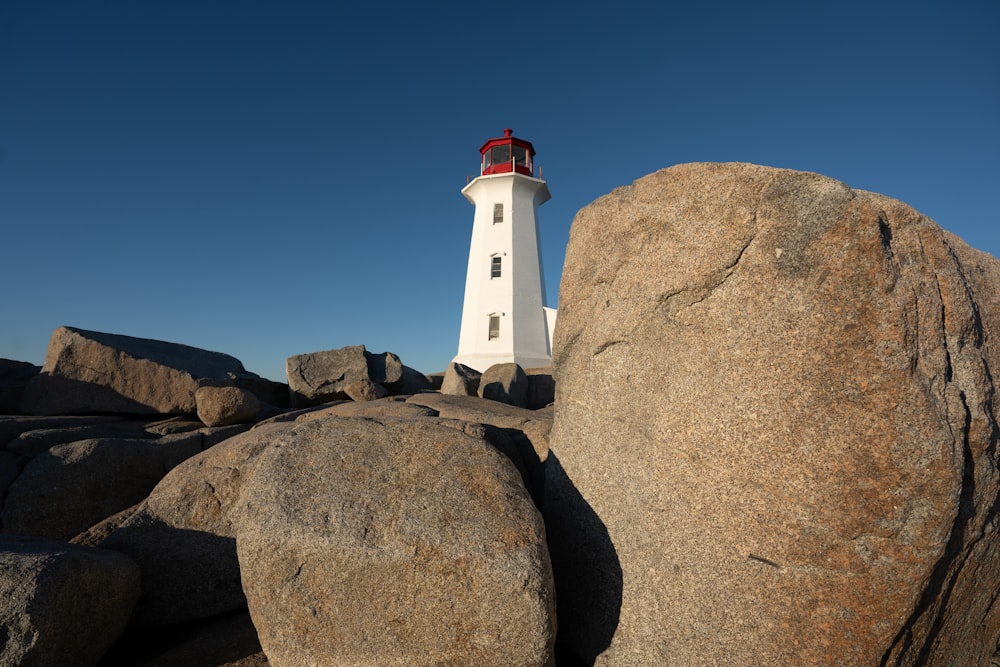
(587, 571)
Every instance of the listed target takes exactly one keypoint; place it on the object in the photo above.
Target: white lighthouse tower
(504, 318)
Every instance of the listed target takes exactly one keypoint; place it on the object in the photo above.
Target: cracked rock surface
(776, 398)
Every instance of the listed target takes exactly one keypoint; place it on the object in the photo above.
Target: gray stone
(390, 406)
(70, 487)
(14, 377)
(92, 372)
(411, 382)
(32, 443)
(393, 542)
(182, 534)
(225, 406)
(541, 388)
(460, 380)
(13, 426)
(61, 604)
(505, 383)
(775, 428)
(320, 377)
(229, 640)
(535, 425)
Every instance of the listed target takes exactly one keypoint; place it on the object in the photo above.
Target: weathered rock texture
(224, 406)
(393, 542)
(776, 395)
(61, 604)
(182, 535)
(92, 372)
(505, 383)
(67, 489)
(460, 380)
(349, 373)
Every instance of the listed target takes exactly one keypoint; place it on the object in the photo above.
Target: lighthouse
(504, 316)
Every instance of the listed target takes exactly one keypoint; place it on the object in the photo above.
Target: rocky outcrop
(506, 383)
(92, 372)
(394, 542)
(61, 604)
(776, 428)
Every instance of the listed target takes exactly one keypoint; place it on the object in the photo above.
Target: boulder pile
(769, 436)
(192, 516)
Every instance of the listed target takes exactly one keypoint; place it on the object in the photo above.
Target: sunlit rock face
(775, 428)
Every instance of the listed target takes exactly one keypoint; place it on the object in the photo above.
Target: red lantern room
(507, 154)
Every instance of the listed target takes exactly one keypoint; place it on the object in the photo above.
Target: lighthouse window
(501, 154)
(497, 213)
(520, 156)
(495, 266)
(494, 327)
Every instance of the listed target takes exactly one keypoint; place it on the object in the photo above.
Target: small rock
(224, 406)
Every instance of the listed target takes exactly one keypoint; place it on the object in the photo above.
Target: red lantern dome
(507, 154)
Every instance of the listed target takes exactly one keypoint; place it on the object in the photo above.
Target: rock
(229, 640)
(505, 383)
(91, 372)
(32, 443)
(411, 382)
(320, 377)
(461, 380)
(10, 468)
(535, 425)
(182, 535)
(385, 368)
(390, 406)
(70, 487)
(14, 377)
(13, 426)
(800, 470)
(225, 406)
(393, 542)
(61, 604)
(541, 387)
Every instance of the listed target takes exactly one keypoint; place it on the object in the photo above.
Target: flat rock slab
(92, 372)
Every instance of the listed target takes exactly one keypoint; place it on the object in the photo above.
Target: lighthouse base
(481, 362)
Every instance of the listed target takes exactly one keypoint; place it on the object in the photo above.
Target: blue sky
(268, 179)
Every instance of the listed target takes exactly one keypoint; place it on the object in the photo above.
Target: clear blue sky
(273, 178)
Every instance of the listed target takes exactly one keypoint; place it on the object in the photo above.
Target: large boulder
(65, 490)
(775, 429)
(61, 604)
(182, 535)
(393, 542)
(92, 372)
